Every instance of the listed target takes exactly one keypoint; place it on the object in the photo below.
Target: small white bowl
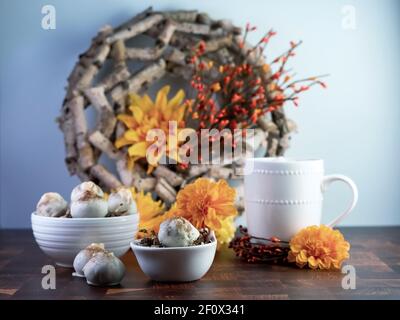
(175, 264)
(62, 238)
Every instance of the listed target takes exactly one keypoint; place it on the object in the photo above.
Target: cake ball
(84, 256)
(51, 204)
(104, 269)
(177, 232)
(121, 203)
(87, 201)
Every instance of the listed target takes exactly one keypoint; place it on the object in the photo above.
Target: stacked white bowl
(62, 238)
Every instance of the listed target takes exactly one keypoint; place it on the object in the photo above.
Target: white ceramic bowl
(62, 238)
(175, 264)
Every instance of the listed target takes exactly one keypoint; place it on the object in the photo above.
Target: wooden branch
(120, 74)
(218, 43)
(220, 172)
(105, 177)
(101, 55)
(73, 79)
(119, 53)
(283, 144)
(219, 32)
(137, 81)
(106, 119)
(96, 51)
(258, 137)
(273, 136)
(193, 28)
(176, 56)
(291, 125)
(101, 142)
(183, 41)
(181, 16)
(284, 141)
(144, 54)
(273, 143)
(166, 34)
(228, 26)
(120, 130)
(170, 176)
(124, 173)
(89, 63)
(197, 170)
(253, 58)
(204, 18)
(66, 124)
(278, 116)
(181, 71)
(224, 56)
(154, 53)
(144, 184)
(165, 191)
(140, 16)
(84, 149)
(83, 175)
(267, 125)
(239, 202)
(135, 29)
(87, 77)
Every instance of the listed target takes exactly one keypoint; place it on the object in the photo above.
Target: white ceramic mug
(282, 196)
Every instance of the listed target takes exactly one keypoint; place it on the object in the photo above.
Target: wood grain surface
(375, 254)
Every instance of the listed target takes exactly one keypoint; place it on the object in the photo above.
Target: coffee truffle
(51, 204)
(87, 201)
(177, 232)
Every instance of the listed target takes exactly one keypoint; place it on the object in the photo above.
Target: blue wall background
(353, 125)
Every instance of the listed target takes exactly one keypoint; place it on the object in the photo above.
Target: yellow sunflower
(151, 212)
(146, 115)
(319, 247)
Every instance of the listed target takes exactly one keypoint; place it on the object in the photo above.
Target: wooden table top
(375, 254)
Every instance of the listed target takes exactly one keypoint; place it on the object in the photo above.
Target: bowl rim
(197, 247)
(36, 216)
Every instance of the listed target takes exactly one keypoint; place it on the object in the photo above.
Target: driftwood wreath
(175, 33)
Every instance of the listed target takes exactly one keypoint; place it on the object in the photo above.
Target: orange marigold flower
(319, 247)
(206, 203)
(227, 231)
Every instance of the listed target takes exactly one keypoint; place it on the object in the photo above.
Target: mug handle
(327, 180)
